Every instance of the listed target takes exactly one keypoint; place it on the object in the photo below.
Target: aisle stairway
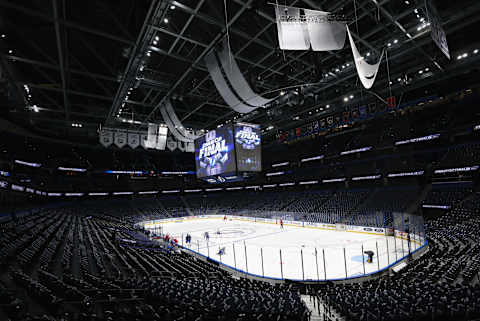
(317, 309)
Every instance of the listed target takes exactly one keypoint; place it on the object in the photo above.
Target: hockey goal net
(340, 227)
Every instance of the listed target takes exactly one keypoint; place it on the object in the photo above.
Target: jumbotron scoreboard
(230, 152)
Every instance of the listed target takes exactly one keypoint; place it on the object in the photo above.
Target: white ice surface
(245, 242)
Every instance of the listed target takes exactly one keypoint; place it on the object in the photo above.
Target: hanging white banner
(236, 79)
(120, 138)
(133, 140)
(182, 146)
(292, 31)
(325, 35)
(172, 144)
(436, 30)
(223, 89)
(144, 140)
(366, 72)
(106, 137)
(162, 138)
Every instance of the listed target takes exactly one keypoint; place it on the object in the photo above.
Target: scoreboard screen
(248, 147)
(215, 153)
(229, 150)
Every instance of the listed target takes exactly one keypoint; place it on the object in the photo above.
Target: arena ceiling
(85, 62)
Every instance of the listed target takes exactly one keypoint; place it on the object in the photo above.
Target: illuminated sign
(274, 174)
(247, 138)
(333, 180)
(27, 163)
(312, 158)
(358, 150)
(308, 183)
(286, 184)
(363, 178)
(178, 173)
(269, 186)
(18, 188)
(281, 164)
(4, 173)
(234, 188)
(248, 147)
(213, 189)
(417, 173)
(443, 207)
(97, 194)
(455, 170)
(126, 172)
(214, 153)
(71, 169)
(418, 139)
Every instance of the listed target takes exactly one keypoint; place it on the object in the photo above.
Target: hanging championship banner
(181, 146)
(106, 137)
(144, 140)
(162, 138)
(133, 140)
(120, 138)
(436, 30)
(171, 144)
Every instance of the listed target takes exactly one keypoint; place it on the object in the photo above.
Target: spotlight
(172, 7)
(351, 96)
(475, 51)
(35, 108)
(395, 41)
(10, 51)
(345, 99)
(3, 35)
(157, 38)
(465, 55)
(165, 20)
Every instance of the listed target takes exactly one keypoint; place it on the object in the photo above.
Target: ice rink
(265, 249)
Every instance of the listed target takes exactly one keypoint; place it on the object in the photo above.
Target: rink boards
(258, 247)
(310, 225)
(321, 226)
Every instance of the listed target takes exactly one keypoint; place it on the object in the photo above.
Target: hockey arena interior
(244, 160)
